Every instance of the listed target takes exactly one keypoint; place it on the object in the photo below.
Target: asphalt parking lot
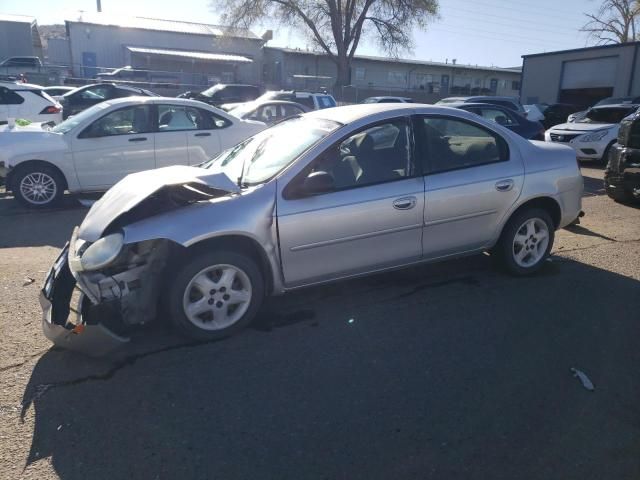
(448, 371)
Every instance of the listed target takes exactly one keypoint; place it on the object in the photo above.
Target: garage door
(599, 72)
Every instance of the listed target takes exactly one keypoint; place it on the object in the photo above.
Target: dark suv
(84, 97)
(225, 93)
(622, 175)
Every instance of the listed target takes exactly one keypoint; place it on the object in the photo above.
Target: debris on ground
(27, 281)
(586, 383)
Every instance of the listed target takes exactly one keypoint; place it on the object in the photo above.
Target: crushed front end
(90, 306)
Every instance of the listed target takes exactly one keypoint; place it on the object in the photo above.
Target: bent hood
(191, 184)
(582, 127)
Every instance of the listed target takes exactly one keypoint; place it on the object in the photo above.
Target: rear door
(204, 142)
(113, 146)
(174, 125)
(472, 178)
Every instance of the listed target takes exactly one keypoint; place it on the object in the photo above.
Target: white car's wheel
(38, 185)
(526, 241)
(215, 295)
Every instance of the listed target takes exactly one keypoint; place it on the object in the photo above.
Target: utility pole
(99, 5)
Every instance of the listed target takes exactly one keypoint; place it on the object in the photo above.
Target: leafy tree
(337, 26)
(614, 22)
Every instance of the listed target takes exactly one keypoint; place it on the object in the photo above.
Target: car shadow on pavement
(593, 186)
(441, 371)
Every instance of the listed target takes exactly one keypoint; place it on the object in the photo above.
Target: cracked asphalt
(447, 371)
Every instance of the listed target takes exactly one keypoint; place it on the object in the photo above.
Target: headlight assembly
(594, 136)
(103, 252)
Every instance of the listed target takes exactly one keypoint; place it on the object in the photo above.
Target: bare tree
(337, 26)
(614, 22)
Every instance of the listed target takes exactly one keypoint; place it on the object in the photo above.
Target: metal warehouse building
(189, 53)
(582, 76)
(19, 37)
(370, 76)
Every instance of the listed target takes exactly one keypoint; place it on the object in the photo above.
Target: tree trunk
(344, 71)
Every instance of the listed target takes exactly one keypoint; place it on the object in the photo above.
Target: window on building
(515, 85)
(360, 73)
(396, 78)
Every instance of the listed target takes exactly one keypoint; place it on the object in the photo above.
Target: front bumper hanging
(63, 322)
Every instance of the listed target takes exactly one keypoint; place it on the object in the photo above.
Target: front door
(472, 180)
(370, 219)
(117, 144)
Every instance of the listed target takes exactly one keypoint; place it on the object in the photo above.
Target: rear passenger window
(205, 120)
(9, 97)
(452, 144)
(376, 155)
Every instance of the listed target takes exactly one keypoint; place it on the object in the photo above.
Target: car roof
(135, 99)
(615, 106)
(21, 86)
(351, 113)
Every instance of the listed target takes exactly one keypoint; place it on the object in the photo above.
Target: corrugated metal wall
(16, 40)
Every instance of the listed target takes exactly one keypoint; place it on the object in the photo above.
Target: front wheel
(38, 186)
(215, 295)
(526, 241)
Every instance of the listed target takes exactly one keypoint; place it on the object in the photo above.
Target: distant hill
(51, 31)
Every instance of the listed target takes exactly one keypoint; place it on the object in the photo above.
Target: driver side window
(126, 121)
(378, 154)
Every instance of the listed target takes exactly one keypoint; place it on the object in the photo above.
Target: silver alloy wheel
(217, 297)
(38, 188)
(530, 242)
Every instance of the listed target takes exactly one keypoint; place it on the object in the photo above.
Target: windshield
(209, 92)
(270, 151)
(614, 101)
(71, 122)
(607, 115)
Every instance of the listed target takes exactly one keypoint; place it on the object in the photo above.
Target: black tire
(620, 194)
(505, 249)
(195, 265)
(45, 171)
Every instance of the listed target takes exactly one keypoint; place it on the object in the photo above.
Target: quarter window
(375, 155)
(126, 121)
(451, 144)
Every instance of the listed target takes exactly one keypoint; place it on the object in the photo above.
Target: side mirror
(318, 182)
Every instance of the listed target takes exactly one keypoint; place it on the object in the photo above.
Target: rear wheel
(526, 241)
(38, 185)
(215, 295)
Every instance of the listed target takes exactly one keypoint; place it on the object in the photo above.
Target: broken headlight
(103, 252)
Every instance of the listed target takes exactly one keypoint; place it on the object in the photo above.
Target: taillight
(50, 109)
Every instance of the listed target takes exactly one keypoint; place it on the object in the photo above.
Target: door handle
(404, 203)
(138, 139)
(205, 134)
(504, 185)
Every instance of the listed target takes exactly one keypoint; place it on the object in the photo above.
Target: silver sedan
(329, 195)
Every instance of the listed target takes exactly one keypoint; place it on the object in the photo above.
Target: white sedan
(93, 150)
(593, 135)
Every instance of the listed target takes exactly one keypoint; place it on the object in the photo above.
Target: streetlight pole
(99, 5)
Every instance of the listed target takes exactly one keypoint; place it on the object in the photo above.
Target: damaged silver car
(328, 195)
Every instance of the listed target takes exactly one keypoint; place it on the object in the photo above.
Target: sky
(478, 32)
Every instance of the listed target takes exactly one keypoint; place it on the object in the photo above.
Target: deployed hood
(582, 127)
(177, 185)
